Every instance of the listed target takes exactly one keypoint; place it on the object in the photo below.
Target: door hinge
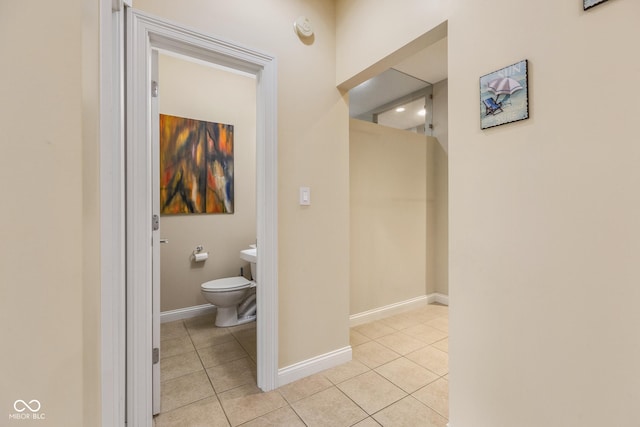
(155, 223)
(154, 89)
(156, 355)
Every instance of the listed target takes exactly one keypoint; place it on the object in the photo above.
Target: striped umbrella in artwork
(504, 86)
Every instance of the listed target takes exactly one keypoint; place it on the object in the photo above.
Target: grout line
(354, 402)
(290, 405)
(334, 385)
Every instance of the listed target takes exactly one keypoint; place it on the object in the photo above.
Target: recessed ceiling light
(422, 112)
(400, 109)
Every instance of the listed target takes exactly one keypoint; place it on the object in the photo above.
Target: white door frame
(154, 122)
(128, 204)
(112, 223)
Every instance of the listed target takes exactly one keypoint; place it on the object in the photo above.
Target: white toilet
(234, 297)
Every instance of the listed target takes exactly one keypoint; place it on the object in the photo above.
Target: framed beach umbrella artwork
(504, 96)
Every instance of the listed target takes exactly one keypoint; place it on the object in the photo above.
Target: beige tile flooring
(398, 377)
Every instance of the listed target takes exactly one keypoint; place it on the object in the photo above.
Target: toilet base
(228, 316)
(246, 319)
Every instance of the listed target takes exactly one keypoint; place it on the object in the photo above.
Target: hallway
(398, 377)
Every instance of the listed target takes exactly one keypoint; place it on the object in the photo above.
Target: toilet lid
(226, 284)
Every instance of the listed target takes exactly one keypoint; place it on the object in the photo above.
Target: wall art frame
(588, 4)
(504, 95)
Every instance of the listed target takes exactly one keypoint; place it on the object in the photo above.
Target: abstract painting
(196, 166)
(504, 96)
(588, 4)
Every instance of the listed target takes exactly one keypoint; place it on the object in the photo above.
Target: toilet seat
(226, 284)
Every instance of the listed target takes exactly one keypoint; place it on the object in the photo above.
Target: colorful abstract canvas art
(196, 166)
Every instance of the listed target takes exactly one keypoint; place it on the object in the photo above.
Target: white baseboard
(186, 313)
(313, 366)
(396, 308)
(387, 310)
(439, 298)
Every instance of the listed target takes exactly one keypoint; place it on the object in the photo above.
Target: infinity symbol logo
(26, 405)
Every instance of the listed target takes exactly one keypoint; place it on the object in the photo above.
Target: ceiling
(399, 85)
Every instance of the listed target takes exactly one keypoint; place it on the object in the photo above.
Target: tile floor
(398, 377)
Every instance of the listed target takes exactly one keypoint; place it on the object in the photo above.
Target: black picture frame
(588, 4)
(504, 95)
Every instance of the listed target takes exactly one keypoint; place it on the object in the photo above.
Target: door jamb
(112, 222)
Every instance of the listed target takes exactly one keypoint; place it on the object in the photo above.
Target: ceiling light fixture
(422, 112)
(400, 109)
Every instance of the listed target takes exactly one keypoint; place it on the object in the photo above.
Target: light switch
(305, 196)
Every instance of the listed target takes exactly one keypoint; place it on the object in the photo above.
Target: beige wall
(441, 186)
(371, 30)
(193, 90)
(441, 219)
(49, 222)
(543, 213)
(441, 113)
(388, 187)
(544, 220)
(312, 151)
(399, 224)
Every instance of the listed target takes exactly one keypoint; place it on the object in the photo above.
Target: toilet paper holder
(198, 256)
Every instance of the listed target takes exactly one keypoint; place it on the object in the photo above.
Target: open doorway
(204, 224)
(399, 185)
(398, 167)
(398, 170)
(145, 35)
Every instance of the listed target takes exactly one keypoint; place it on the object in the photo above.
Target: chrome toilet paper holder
(198, 256)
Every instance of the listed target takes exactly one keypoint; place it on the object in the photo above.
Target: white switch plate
(305, 196)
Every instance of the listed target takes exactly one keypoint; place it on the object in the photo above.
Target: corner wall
(544, 215)
(441, 182)
(441, 215)
(441, 113)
